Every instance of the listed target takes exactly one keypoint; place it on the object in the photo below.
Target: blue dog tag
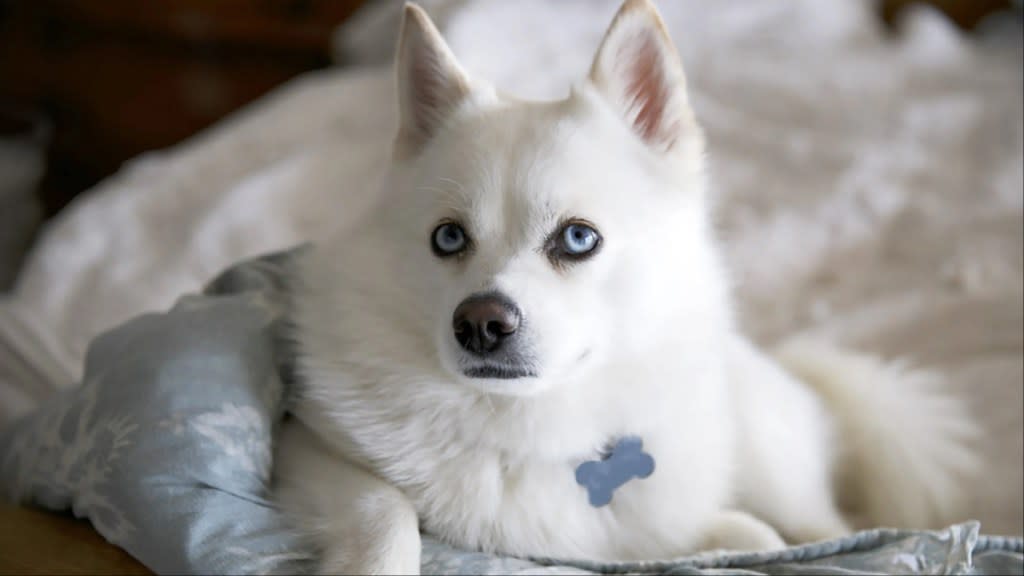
(625, 461)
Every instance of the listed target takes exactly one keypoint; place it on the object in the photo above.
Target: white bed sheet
(869, 187)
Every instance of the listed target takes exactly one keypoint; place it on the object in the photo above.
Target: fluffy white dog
(537, 287)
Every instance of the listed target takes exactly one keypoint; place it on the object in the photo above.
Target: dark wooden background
(114, 78)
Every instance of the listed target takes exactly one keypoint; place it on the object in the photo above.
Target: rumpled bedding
(869, 186)
(166, 448)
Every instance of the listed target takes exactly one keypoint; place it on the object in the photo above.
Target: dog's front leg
(361, 524)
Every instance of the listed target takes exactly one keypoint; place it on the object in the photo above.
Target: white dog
(538, 281)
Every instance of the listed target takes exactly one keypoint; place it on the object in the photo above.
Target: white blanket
(869, 187)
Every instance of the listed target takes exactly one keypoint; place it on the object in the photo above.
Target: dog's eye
(449, 239)
(578, 239)
(574, 240)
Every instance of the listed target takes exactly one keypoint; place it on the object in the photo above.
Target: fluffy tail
(905, 444)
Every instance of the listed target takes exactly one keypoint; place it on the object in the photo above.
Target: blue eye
(579, 239)
(448, 240)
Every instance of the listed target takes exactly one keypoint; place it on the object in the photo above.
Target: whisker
(459, 187)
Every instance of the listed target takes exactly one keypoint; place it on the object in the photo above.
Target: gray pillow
(166, 446)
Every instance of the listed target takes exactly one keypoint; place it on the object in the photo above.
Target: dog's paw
(394, 553)
(384, 540)
(349, 560)
(735, 530)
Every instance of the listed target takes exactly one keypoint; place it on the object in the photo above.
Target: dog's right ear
(431, 84)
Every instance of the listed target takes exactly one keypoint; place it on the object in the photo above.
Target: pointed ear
(431, 84)
(638, 71)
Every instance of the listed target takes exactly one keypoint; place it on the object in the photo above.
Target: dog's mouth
(499, 372)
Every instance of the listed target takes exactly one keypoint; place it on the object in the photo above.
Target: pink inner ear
(428, 93)
(648, 91)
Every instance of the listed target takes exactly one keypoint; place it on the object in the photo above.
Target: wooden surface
(37, 542)
(115, 78)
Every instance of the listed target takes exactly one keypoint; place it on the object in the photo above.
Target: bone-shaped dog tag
(625, 461)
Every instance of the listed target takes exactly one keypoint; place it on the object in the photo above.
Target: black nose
(483, 321)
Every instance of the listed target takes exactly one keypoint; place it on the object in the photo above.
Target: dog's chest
(509, 481)
(630, 501)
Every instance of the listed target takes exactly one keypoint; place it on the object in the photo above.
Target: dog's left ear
(638, 70)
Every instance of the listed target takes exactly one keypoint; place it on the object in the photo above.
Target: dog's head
(542, 238)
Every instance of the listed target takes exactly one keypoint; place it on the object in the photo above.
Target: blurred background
(88, 84)
(101, 81)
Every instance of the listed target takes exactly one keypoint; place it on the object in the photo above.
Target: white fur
(638, 340)
(896, 426)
